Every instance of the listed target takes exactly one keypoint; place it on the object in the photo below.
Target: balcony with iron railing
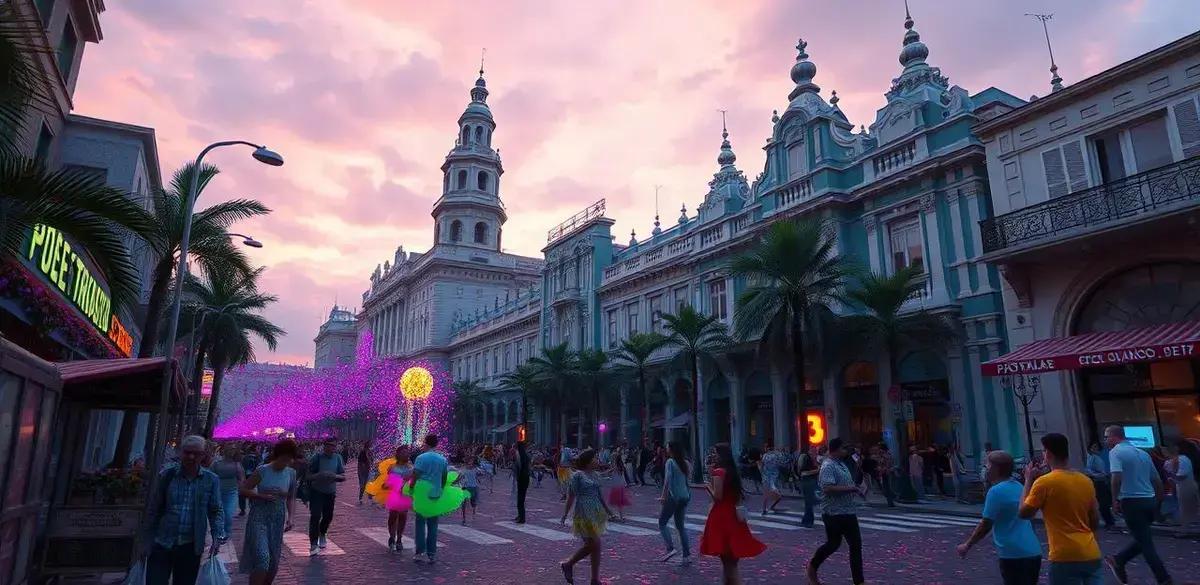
(1158, 192)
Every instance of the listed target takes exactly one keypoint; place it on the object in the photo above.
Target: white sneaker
(685, 561)
(321, 542)
(312, 551)
(668, 556)
(418, 558)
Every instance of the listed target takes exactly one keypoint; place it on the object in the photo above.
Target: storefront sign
(1146, 353)
(51, 254)
(926, 392)
(816, 428)
(206, 383)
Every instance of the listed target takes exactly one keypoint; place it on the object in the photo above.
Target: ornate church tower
(469, 212)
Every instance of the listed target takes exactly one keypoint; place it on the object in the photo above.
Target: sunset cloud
(591, 99)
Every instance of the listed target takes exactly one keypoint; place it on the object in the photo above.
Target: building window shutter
(1187, 121)
(1056, 175)
(1076, 172)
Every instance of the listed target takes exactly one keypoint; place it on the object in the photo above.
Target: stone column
(737, 412)
(961, 266)
(780, 409)
(933, 249)
(837, 414)
(668, 410)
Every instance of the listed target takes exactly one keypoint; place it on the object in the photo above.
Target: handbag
(213, 572)
(137, 574)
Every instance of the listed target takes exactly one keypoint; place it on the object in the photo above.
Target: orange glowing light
(816, 428)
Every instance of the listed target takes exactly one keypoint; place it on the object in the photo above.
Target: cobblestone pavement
(900, 546)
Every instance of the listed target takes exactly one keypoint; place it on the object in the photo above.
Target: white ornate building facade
(1096, 190)
(416, 299)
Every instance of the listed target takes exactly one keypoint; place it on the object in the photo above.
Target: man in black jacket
(644, 456)
(521, 469)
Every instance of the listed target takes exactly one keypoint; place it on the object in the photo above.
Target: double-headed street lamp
(261, 154)
(1025, 388)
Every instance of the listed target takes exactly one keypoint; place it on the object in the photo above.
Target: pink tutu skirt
(619, 496)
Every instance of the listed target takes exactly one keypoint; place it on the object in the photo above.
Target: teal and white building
(908, 189)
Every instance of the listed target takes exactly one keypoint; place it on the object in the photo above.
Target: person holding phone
(271, 491)
(1067, 502)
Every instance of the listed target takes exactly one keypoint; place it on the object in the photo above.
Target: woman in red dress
(725, 535)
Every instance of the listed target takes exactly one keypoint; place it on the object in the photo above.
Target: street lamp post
(261, 154)
(1025, 388)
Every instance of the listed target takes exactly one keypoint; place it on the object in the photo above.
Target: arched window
(456, 231)
(479, 134)
(481, 233)
(445, 182)
(483, 181)
(466, 134)
(462, 179)
(487, 137)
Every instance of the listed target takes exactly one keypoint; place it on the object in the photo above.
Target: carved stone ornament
(1017, 277)
(927, 202)
(870, 222)
(952, 196)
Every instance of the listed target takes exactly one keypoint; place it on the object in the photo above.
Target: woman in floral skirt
(726, 535)
(591, 515)
(271, 490)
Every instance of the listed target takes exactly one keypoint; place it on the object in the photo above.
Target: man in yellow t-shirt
(1067, 500)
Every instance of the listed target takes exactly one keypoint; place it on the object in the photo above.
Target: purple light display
(367, 390)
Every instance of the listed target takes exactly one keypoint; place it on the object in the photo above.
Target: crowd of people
(199, 492)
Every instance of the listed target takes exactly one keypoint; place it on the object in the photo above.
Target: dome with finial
(803, 72)
(914, 51)
(683, 214)
(727, 157)
(657, 226)
(633, 238)
(833, 99)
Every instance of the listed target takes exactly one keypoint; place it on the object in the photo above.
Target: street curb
(1159, 530)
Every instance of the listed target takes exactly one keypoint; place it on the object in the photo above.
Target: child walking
(468, 478)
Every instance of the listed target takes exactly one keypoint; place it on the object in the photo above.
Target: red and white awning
(1158, 343)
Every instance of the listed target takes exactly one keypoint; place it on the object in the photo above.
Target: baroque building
(907, 190)
(336, 339)
(416, 300)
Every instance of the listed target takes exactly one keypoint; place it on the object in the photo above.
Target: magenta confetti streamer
(310, 404)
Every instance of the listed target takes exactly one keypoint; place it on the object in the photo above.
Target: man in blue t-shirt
(430, 466)
(1017, 545)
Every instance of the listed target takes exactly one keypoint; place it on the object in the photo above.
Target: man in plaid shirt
(186, 506)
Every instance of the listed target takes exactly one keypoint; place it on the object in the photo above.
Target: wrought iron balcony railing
(1136, 195)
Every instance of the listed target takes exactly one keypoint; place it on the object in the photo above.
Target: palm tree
(794, 278)
(695, 336)
(468, 396)
(90, 214)
(233, 302)
(523, 379)
(594, 375)
(210, 247)
(632, 359)
(886, 327)
(556, 369)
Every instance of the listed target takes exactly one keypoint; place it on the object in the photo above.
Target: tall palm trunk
(218, 377)
(645, 404)
(154, 307)
(799, 372)
(198, 377)
(525, 413)
(697, 474)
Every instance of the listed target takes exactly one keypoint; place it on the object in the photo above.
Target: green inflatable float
(452, 497)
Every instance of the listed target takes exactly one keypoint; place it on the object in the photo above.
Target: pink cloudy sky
(592, 99)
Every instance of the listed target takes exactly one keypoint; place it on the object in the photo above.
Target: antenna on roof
(1055, 80)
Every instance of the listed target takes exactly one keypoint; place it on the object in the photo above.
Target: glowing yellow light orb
(416, 383)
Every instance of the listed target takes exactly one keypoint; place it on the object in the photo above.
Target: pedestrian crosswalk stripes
(503, 532)
(927, 519)
(624, 529)
(537, 531)
(471, 535)
(649, 520)
(297, 543)
(755, 523)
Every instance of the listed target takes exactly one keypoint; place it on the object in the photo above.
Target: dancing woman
(400, 472)
(591, 515)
